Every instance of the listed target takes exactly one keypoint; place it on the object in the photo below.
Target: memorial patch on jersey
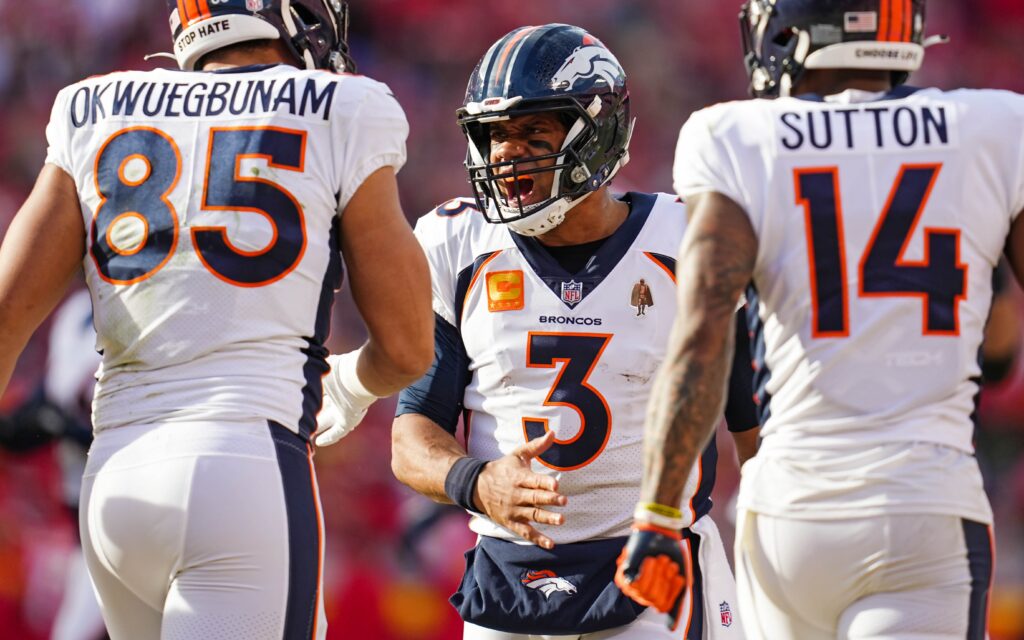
(641, 297)
(572, 292)
(505, 291)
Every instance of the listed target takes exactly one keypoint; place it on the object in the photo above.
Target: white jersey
(879, 220)
(569, 353)
(210, 202)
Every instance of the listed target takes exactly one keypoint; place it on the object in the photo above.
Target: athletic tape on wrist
(460, 483)
(659, 515)
(348, 378)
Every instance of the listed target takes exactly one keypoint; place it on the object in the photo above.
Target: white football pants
(905, 577)
(204, 530)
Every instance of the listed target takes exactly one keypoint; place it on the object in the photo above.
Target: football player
(869, 215)
(207, 207)
(540, 351)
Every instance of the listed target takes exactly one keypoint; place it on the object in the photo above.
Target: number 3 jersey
(524, 347)
(880, 219)
(210, 202)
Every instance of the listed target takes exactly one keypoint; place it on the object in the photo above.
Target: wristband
(460, 483)
(659, 515)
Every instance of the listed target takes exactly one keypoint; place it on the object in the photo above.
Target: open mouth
(517, 190)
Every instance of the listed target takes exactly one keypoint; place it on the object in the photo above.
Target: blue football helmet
(558, 69)
(783, 38)
(315, 31)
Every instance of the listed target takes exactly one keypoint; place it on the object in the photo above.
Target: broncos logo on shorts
(547, 583)
(588, 62)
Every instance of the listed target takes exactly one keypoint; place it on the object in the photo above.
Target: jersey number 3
(578, 353)
(135, 228)
(939, 280)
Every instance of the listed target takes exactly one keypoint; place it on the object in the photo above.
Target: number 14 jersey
(879, 220)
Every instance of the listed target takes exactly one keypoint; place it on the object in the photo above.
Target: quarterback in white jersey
(550, 327)
(867, 218)
(209, 208)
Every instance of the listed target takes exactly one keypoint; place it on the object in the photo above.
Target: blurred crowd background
(393, 557)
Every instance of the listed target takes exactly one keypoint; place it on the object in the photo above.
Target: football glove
(346, 400)
(654, 571)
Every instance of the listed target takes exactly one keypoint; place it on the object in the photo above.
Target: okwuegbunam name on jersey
(211, 202)
(525, 347)
(127, 98)
(880, 218)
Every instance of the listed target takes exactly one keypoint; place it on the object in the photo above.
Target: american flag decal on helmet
(860, 22)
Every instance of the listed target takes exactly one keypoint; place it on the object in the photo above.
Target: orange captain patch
(505, 291)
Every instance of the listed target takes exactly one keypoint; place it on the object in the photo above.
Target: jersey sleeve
(432, 234)
(703, 163)
(372, 138)
(58, 135)
(438, 394)
(1019, 183)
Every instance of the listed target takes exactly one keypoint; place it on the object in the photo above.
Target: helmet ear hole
(784, 37)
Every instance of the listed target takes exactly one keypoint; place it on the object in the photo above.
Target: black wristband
(460, 483)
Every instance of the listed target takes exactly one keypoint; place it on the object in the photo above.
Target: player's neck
(596, 217)
(828, 82)
(229, 59)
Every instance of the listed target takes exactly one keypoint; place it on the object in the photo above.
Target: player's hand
(654, 571)
(332, 424)
(513, 496)
(342, 409)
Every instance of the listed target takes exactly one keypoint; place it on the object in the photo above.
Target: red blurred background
(393, 557)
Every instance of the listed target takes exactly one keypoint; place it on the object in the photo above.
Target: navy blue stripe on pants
(301, 504)
(696, 629)
(978, 538)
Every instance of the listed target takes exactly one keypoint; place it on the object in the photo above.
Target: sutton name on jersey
(865, 127)
(301, 97)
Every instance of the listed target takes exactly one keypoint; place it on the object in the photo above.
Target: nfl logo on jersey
(726, 614)
(572, 292)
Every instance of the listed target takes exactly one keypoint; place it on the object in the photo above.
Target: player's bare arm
(507, 490)
(1015, 248)
(716, 262)
(746, 443)
(390, 285)
(41, 252)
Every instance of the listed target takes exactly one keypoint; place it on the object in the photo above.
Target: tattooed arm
(716, 262)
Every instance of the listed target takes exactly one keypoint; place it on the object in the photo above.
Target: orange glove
(653, 570)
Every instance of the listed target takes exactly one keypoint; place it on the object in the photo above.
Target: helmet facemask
(554, 69)
(318, 38)
(571, 180)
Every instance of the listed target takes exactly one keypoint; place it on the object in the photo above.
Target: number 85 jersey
(524, 347)
(210, 202)
(879, 220)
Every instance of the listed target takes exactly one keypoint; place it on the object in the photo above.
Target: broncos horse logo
(547, 582)
(588, 62)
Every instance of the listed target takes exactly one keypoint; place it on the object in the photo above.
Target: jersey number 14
(939, 279)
